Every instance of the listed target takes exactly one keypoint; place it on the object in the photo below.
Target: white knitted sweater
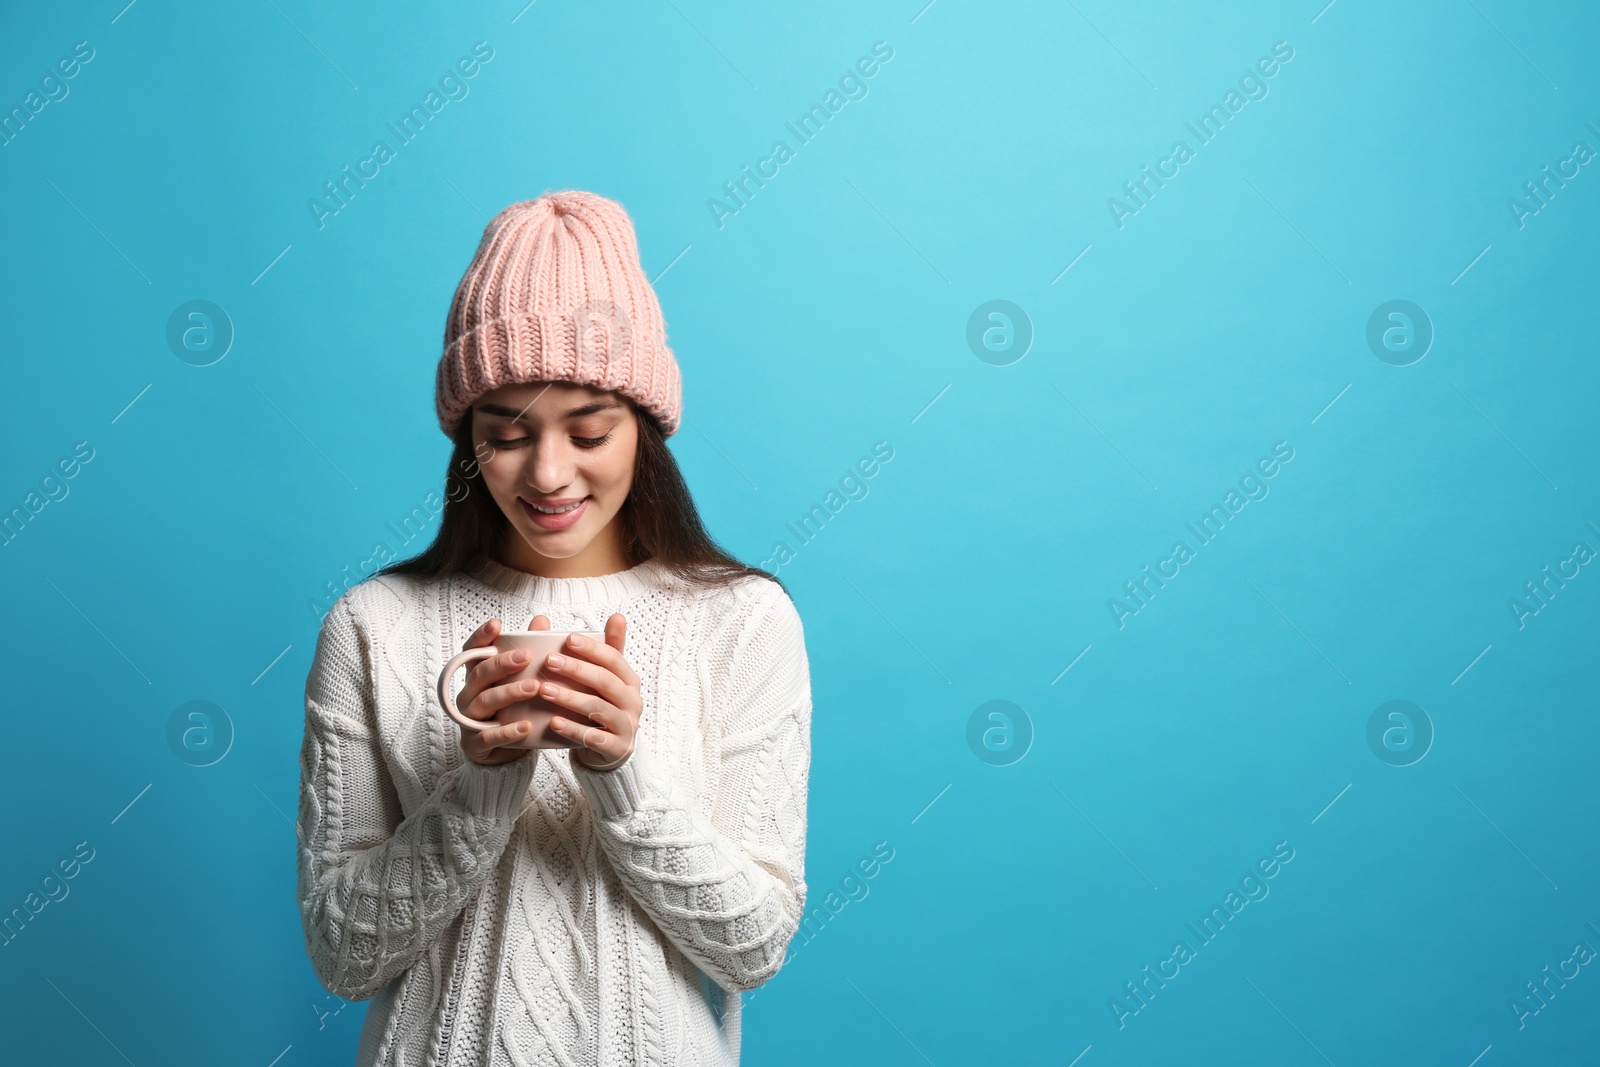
(539, 912)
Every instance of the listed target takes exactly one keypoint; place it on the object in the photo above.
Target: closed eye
(581, 442)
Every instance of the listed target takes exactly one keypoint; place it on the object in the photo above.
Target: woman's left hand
(616, 708)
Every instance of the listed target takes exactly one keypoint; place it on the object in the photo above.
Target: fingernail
(555, 660)
(523, 727)
(519, 657)
(577, 642)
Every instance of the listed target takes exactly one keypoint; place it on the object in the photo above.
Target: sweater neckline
(601, 588)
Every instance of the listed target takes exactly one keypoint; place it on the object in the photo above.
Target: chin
(557, 544)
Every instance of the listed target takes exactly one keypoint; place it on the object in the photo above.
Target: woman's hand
(481, 698)
(615, 711)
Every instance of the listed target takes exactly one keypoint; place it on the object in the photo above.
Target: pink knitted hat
(555, 292)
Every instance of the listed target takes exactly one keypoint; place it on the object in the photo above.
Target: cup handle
(471, 655)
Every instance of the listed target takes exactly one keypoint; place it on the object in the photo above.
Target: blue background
(1229, 313)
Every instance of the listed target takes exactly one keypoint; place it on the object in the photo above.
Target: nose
(550, 466)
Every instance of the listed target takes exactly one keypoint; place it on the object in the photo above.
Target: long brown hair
(659, 519)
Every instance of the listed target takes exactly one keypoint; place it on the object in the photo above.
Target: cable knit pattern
(539, 912)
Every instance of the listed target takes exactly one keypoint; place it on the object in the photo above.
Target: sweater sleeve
(726, 887)
(376, 886)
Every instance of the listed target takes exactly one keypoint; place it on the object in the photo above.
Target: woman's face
(550, 446)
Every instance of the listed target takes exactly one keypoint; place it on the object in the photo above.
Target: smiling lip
(555, 522)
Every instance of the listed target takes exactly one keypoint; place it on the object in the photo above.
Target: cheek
(615, 470)
(614, 476)
(500, 473)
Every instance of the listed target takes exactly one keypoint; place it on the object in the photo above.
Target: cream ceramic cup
(536, 710)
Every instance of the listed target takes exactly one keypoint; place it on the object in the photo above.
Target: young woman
(598, 904)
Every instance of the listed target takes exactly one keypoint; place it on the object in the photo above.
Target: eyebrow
(513, 413)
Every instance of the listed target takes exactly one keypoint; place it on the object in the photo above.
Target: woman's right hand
(481, 698)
